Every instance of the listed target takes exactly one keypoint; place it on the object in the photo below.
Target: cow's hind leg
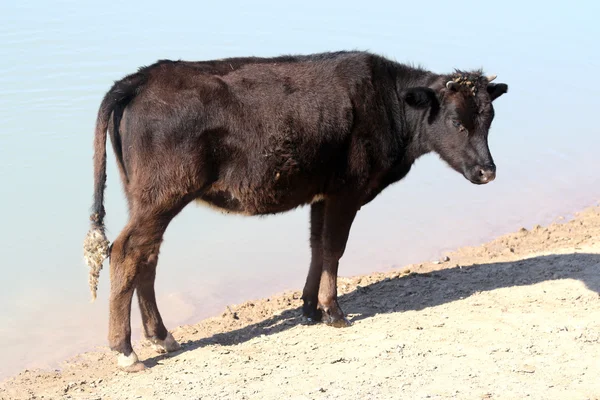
(133, 257)
(154, 329)
(338, 217)
(311, 288)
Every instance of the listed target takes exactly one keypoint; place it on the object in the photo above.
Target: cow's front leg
(338, 217)
(311, 288)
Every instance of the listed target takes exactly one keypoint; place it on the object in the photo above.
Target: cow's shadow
(420, 291)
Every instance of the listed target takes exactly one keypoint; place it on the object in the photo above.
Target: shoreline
(551, 255)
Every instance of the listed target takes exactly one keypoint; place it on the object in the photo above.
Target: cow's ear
(496, 90)
(419, 97)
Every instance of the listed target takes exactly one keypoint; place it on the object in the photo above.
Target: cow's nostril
(487, 173)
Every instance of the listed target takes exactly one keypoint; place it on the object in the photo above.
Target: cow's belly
(228, 203)
(222, 208)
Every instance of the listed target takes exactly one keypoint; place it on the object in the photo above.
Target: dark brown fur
(261, 136)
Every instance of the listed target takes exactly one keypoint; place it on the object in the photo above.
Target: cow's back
(259, 135)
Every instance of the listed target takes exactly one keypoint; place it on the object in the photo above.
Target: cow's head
(459, 116)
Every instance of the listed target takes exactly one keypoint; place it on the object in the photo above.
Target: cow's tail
(96, 245)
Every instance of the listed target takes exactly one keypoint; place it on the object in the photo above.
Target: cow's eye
(456, 123)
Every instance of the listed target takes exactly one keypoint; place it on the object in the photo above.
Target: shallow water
(59, 58)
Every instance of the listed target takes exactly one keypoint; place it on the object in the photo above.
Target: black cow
(263, 136)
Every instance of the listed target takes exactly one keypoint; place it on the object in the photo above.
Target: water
(59, 58)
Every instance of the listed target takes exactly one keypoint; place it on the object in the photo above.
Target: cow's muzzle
(481, 174)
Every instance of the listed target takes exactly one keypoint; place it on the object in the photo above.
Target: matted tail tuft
(95, 251)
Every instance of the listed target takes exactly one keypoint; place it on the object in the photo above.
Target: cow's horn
(451, 85)
(491, 78)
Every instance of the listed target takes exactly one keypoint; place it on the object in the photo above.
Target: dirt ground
(515, 318)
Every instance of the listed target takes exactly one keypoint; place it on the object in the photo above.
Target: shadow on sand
(420, 291)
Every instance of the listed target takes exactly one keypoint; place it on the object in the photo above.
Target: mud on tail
(95, 251)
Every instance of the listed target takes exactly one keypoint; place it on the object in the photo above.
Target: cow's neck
(415, 119)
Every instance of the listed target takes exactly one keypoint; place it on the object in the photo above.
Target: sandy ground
(515, 318)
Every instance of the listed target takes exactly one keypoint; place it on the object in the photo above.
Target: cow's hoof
(334, 316)
(165, 346)
(130, 363)
(311, 312)
(337, 321)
